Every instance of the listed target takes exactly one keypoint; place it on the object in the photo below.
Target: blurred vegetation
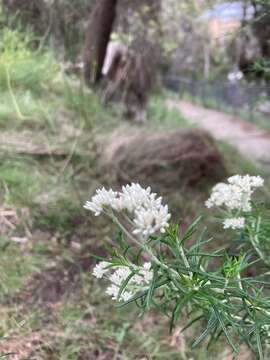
(158, 114)
(20, 66)
(179, 28)
(59, 22)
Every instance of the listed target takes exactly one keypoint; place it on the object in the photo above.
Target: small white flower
(257, 181)
(95, 207)
(142, 278)
(100, 269)
(147, 272)
(147, 266)
(126, 295)
(113, 291)
(144, 275)
(234, 223)
(117, 279)
(144, 222)
(150, 221)
(134, 196)
(162, 218)
(120, 275)
(102, 198)
(246, 182)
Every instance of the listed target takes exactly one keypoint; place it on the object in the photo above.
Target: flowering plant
(156, 265)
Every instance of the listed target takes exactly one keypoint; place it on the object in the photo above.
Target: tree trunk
(97, 38)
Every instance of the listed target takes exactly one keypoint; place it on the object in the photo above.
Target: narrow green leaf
(97, 257)
(140, 295)
(124, 285)
(151, 288)
(190, 230)
(4, 356)
(223, 326)
(178, 307)
(198, 318)
(259, 344)
(210, 325)
(203, 254)
(199, 245)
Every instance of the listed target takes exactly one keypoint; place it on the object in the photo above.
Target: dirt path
(250, 141)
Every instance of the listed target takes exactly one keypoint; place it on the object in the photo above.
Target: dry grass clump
(170, 160)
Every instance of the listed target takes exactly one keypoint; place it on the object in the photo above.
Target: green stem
(240, 282)
(184, 258)
(255, 242)
(141, 245)
(15, 103)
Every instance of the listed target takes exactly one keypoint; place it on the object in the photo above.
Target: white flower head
(134, 197)
(234, 223)
(147, 272)
(150, 221)
(246, 182)
(150, 216)
(101, 269)
(126, 295)
(144, 275)
(118, 275)
(147, 266)
(102, 198)
(113, 291)
(236, 195)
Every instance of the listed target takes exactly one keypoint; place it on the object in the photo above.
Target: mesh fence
(241, 99)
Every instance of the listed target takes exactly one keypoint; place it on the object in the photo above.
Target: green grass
(35, 93)
(87, 106)
(236, 163)
(20, 66)
(19, 181)
(24, 263)
(158, 114)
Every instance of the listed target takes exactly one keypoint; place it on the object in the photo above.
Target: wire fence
(249, 101)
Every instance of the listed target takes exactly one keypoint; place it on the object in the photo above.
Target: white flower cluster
(234, 223)
(117, 275)
(235, 196)
(101, 269)
(103, 198)
(150, 216)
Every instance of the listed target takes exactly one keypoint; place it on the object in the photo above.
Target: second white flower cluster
(235, 197)
(149, 215)
(142, 276)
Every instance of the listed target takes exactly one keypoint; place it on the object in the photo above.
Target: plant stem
(184, 258)
(255, 242)
(13, 98)
(143, 246)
